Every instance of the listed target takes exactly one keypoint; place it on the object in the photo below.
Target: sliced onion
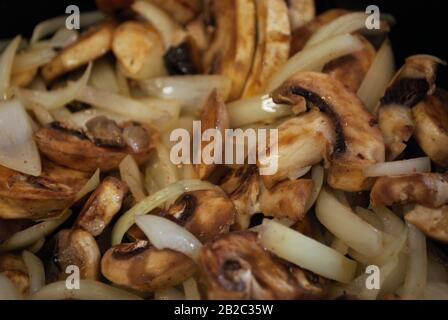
(36, 246)
(90, 185)
(191, 289)
(396, 168)
(18, 151)
(347, 226)
(42, 115)
(436, 291)
(170, 31)
(31, 59)
(55, 98)
(306, 252)
(169, 294)
(88, 290)
(317, 175)
(160, 171)
(415, 281)
(255, 109)
(103, 76)
(299, 173)
(339, 246)
(131, 108)
(35, 269)
(27, 237)
(122, 82)
(130, 173)
(316, 57)
(391, 223)
(8, 290)
(166, 234)
(190, 91)
(6, 65)
(63, 38)
(344, 24)
(153, 201)
(378, 77)
(50, 26)
(370, 217)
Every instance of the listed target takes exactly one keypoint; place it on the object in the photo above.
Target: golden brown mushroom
(91, 45)
(183, 11)
(15, 270)
(358, 141)
(236, 266)
(102, 206)
(433, 222)
(300, 12)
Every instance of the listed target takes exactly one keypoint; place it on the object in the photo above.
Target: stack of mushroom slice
(429, 193)
(103, 144)
(412, 84)
(345, 134)
(140, 266)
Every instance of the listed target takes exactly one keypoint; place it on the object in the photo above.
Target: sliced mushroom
(29, 197)
(300, 36)
(93, 44)
(432, 222)
(351, 69)
(183, 11)
(139, 50)
(15, 270)
(272, 50)
(78, 248)
(357, 143)
(102, 206)
(300, 12)
(71, 148)
(302, 141)
(431, 126)
(142, 267)
(426, 189)
(214, 116)
(412, 83)
(287, 199)
(231, 51)
(236, 266)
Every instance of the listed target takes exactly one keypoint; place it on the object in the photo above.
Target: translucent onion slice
(6, 65)
(27, 237)
(130, 173)
(90, 185)
(396, 168)
(190, 91)
(339, 246)
(8, 290)
(18, 151)
(160, 171)
(63, 38)
(370, 217)
(391, 223)
(169, 294)
(299, 173)
(50, 26)
(35, 269)
(153, 113)
(415, 281)
(191, 289)
(35, 247)
(166, 234)
(55, 98)
(378, 77)
(347, 226)
(31, 59)
(153, 201)
(123, 85)
(88, 290)
(317, 175)
(103, 76)
(316, 57)
(170, 31)
(306, 252)
(344, 24)
(436, 291)
(255, 109)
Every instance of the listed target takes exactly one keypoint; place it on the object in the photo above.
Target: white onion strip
(316, 57)
(347, 226)
(55, 98)
(396, 168)
(166, 234)
(191, 289)
(88, 290)
(35, 269)
(130, 173)
(8, 290)
(6, 65)
(153, 201)
(317, 175)
(32, 59)
(306, 252)
(90, 185)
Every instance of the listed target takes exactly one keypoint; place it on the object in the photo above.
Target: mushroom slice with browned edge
(357, 143)
(431, 221)
(93, 44)
(412, 83)
(77, 248)
(27, 197)
(300, 12)
(102, 206)
(144, 268)
(14, 268)
(426, 189)
(103, 145)
(272, 50)
(214, 116)
(236, 266)
(431, 126)
(183, 11)
(231, 51)
(351, 69)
